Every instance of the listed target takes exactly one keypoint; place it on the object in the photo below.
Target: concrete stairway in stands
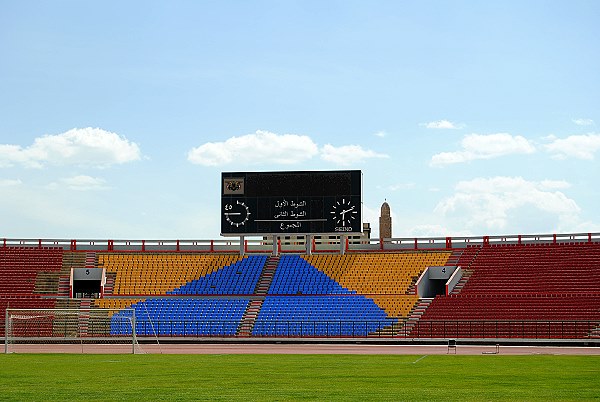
(67, 325)
(84, 317)
(266, 277)
(249, 319)
(388, 331)
(70, 260)
(415, 315)
(109, 286)
(90, 260)
(64, 286)
(454, 258)
(412, 288)
(81, 325)
(465, 278)
(595, 333)
(262, 288)
(467, 271)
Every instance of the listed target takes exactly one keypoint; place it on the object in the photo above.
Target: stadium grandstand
(504, 288)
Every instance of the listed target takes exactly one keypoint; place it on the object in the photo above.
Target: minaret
(385, 222)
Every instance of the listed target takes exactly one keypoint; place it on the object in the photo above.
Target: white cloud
(491, 202)
(575, 146)
(583, 122)
(399, 186)
(84, 183)
(477, 146)
(265, 147)
(554, 184)
(32, 210)
(380, 134)
(260, 147)
(577, 226)
(86, 146)
(13, 154)
(435, 230)
(443, 124)
(10, 182)
(348, 154)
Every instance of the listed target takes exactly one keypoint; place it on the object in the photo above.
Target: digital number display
(291, 202)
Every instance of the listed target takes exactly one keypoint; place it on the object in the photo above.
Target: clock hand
(233, 213)
(347, 210)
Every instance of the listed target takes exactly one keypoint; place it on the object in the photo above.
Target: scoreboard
(298, 202)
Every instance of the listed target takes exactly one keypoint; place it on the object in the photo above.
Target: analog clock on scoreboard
(237, 213)
(301, 202)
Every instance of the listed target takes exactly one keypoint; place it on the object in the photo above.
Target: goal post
(62, 330)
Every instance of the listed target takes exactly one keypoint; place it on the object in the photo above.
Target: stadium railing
(389, 328)
(265, 246)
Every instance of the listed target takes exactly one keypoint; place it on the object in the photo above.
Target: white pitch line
(419, 359)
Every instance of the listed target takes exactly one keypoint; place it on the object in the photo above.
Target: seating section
(239, 278)
(321, 295)
(350, 315)
(156, 274)
(116, 303)
(299, 291)
(377, 274)
(385, 278)
(20, 267)
(184, 317)
(19, 271)
(536, 269)
(467, 256)
(533, 291)
(182, 275)
(397, 305)
(24, 302)
(295, 275)
(529, 284)
(516, 307)
(511, 316)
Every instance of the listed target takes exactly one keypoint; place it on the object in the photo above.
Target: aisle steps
(415, 315)
(262, 288)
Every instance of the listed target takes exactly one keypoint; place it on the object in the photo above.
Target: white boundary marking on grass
(419, 359)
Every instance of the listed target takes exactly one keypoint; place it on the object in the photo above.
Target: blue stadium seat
(236, 279)
(295, 275)
(177, 317)
(347, 315)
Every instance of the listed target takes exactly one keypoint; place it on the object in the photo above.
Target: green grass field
(54, 377)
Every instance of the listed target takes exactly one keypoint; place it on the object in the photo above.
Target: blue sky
(470, 118)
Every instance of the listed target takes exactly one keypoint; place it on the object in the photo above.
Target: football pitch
(60, 377)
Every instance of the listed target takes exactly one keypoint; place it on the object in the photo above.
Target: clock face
(343, 213)
(237, 214)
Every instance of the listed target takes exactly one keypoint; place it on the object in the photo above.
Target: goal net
(94, 330)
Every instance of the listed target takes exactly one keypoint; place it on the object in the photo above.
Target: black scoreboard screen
(320, 202)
